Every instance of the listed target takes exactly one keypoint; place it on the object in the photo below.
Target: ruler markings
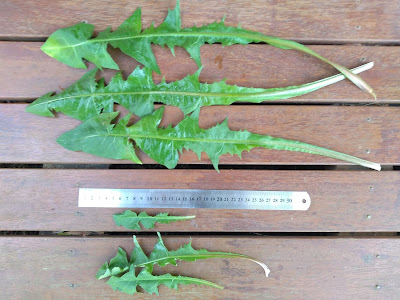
(185, 198)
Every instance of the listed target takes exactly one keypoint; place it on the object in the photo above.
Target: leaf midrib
(173, 278)
(273, 92)
(271, 143)
(164, 218)
(254, 37)
(195, 256)
(178, 93)
(291, 144)
(172, 138)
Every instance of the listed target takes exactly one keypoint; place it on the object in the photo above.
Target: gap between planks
(187, 167)
(116, 234)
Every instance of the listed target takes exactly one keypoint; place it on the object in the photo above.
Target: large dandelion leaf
(72, 44)
(86, 98)
(100, 137)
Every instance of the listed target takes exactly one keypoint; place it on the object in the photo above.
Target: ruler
(183, 198)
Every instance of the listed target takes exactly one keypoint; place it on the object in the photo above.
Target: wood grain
(47, 200)
(28, 73)
(370, 133)
(342, 201)
(301, 268)
(305, 20)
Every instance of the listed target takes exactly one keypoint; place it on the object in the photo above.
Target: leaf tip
(43, 113)
(157, 70)
(215, 165)
(197, 73)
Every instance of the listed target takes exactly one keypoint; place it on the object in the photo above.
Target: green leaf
(73, 100)
(119, 264)
(70, 45)
(130, 219)
(98, 136)
(162, 256)
(86, 98)
(129, 282)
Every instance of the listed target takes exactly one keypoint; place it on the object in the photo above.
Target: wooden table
(345, 246)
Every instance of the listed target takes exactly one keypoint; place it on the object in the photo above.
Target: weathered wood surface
(301, 268)
(371, 133)
(306, 20)
(47, 200)
(28, 73)
(342, 201)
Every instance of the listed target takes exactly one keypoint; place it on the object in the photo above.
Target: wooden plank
(306, 20)
(342, 201)
(301, 268)
(34, 73)
(371, 133)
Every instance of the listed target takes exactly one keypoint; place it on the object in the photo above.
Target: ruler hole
(304, 200)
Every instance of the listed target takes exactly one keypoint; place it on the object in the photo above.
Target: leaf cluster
(100, 134)
(122, 272)
(92, 101)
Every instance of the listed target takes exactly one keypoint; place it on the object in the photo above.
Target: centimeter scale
(183, 198)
